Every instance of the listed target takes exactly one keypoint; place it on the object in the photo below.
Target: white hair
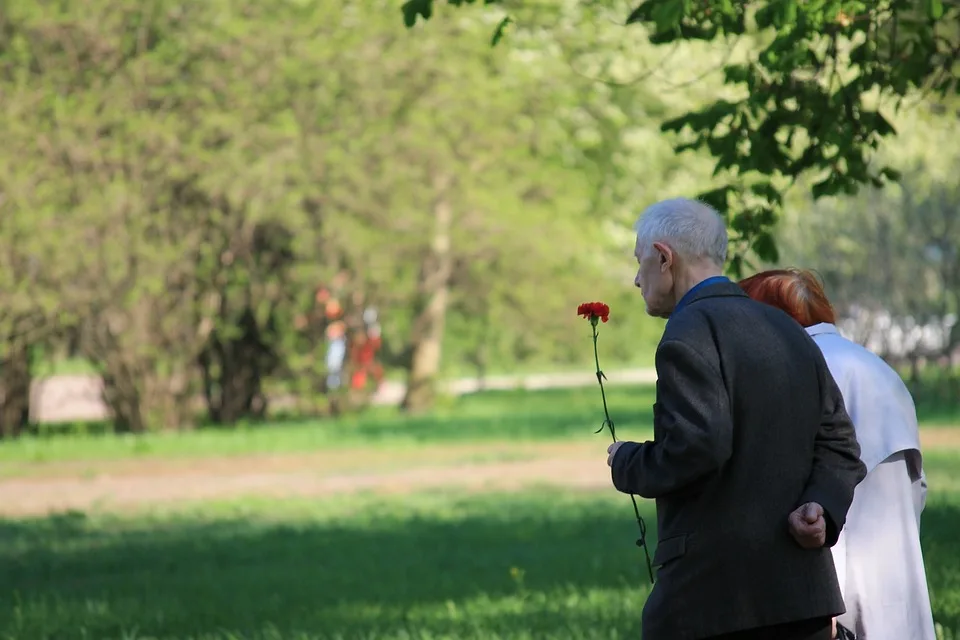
(691, 228)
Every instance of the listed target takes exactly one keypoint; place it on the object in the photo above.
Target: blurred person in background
(878, 557)
(336, 335)
(364, 352)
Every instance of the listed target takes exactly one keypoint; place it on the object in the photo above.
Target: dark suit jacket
(748, 425)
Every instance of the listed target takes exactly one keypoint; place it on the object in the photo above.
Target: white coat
(878, 557)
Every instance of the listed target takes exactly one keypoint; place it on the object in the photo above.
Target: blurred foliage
(176, 181)
(890, 259)
(811, 95)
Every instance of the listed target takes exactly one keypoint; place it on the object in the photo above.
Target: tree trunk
(140, 394)
(122, 395)
(480, 358)
(233, 371)
(232, 384)
(427, 334)
(15, 381)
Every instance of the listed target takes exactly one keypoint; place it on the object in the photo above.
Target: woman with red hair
(878, 558)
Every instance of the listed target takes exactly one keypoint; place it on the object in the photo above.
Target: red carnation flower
(594, 310)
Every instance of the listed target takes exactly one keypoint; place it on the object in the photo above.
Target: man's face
(655, 278)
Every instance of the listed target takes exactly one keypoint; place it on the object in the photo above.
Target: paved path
(78, 397)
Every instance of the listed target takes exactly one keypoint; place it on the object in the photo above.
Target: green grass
(64, 367)
(527, 565)
(535, 564)
(492, 415)
(642, 360)
(939, 415)
(420, 567)
(539, 415)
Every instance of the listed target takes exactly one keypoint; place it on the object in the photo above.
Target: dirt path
(125, 484)
(129, 484)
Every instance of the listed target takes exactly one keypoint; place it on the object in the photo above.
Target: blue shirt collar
(822, 328)
(685, 300)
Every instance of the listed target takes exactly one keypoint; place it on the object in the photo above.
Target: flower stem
(642, 540)
(603, 394)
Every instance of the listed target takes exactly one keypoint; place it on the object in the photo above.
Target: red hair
(796, 291)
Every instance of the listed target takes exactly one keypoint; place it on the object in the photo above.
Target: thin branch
(720, 65)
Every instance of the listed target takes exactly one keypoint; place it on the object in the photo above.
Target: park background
(176, 183)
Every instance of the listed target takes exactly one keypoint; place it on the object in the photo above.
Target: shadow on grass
(496, 566)
(940, 537)
(376, 575)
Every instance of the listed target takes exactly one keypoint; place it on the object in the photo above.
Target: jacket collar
(720, 289)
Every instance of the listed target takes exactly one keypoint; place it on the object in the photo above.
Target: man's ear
(666, 255)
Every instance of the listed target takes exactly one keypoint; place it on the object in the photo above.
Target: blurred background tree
(178, 182)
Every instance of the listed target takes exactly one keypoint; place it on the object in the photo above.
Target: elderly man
(754, 460)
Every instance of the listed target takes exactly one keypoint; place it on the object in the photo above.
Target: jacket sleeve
(837, 468)
(693, 427)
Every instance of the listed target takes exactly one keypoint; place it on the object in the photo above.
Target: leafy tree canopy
(811, 101)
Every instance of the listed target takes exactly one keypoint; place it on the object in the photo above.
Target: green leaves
(413, 9)
(500, 30)
(672, 20)
(934, 8)
(638, 15)
(765, 247)
(668, 13)
(663, 15)
(789, 125)
(777, 15)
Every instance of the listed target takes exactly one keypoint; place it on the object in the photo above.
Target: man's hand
(612, 451)
(808, 526)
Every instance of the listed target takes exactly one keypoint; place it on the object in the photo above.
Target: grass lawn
(529, 564)
(419, 564)
(489, 416)
(515, 415)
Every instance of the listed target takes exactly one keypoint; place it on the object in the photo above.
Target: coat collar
(713, 290)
